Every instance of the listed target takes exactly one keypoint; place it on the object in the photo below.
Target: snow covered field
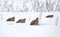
(13, 29)
(30, 9)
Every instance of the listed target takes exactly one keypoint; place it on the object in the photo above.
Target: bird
(21, 20)
(49, 16)
(34, 22)
(11, 19)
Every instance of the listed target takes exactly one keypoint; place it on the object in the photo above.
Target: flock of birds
(33, 22)
(30, 5)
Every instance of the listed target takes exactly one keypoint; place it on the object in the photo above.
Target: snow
(14, 29)
(48, 27)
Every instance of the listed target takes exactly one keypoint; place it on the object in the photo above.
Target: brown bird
(11, 19)
(21, 21)
(49, 16)
(34, 22)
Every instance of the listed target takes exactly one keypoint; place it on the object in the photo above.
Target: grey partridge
(49, 16)
(11, 19)
(34, 22)
(21, 21)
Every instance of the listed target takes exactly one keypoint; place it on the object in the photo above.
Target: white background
(26, 30)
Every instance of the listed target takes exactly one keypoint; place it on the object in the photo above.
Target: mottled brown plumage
(11, 19)
(34, 22)
(49, 16)
(21, 21)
